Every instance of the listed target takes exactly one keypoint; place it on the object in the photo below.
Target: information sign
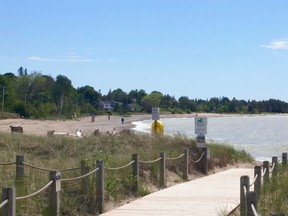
(200, 125)
(155, 113)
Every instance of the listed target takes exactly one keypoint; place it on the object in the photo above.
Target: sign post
(200, 125)
(157, 127)
(155, 113)
(201, 130)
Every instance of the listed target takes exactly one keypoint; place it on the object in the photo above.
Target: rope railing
(80, 177)
(7, 164)
(264, 172)
(245, 189)
(36, 193)
(197, 161)
(119, 168)
(248, 199)
(5, 202)
(48, 169)
(273, 167)
(254, 180)
(254, 209)
(55, 178)
(152, 161)
(176, 158)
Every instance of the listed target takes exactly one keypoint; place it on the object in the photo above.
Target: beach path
(211, 195)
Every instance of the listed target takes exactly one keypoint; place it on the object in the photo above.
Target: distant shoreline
(102, 123)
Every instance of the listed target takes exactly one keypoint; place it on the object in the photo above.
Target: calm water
(260, 136)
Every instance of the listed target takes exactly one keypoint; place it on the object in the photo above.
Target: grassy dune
(59, 152)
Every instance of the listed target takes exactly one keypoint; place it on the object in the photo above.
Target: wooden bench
(16, 129)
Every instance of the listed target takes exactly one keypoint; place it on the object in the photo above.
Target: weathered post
(19, 167)
(205, 161)
(284, 159)
(162, 170)
(10, 208)
(251, 202)
(135, 173)
(275, 166)
(54, 193)
(266, 174)
(244, 188)
(186, 164)
(84, 181)
(257, 184)
(100, 187)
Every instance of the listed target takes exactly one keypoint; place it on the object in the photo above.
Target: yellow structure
(157, 127)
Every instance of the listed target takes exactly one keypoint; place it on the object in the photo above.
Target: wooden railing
(262, 175)
(9, 198)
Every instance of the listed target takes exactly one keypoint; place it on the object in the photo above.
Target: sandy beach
(101, 123)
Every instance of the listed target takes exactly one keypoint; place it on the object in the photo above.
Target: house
(109, 105)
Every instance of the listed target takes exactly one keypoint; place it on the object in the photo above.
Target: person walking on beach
(122, 120)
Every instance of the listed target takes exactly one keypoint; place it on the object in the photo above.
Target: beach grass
(60, 152)
(274, 196)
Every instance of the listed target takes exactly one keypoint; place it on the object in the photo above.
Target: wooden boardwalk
(210, 195)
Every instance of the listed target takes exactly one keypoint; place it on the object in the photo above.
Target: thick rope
(180, 156)
(198, 159)
(245, 190)
(153, 161)
(4, 203)
(273, 167)
(264, 172)
(118, 168)
(254, 180)
(7, 164)
(254, 210)
(80, 177)
(37, 192)
(47, 169)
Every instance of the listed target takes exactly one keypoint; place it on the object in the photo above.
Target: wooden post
(204, 161)
(19, 167)
(284, 159)
(275, 161)
(162, 170)
(257, 184)
(54, 195)
(10, 208)
(186, 164)
(251, 200)
(135, 173)
(84, 181)
(267, 173)
(244, 182)
(100, 187)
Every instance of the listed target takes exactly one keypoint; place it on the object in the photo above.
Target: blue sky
(195, 48)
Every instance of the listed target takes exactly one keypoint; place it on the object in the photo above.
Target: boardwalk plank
(209, 196)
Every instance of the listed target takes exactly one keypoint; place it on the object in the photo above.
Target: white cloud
(72, 58)
(277, 44)
(37, 58)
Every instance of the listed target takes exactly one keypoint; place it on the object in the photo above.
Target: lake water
(262, 136)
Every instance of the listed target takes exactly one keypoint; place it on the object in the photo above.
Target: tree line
(34, 95)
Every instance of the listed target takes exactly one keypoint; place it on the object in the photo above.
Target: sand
(101, 123)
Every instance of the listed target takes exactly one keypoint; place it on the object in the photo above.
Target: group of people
(122, 119)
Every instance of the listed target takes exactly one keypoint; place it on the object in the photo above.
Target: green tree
(152, 100)
(184, 103)
(88, 95)
(62, 89)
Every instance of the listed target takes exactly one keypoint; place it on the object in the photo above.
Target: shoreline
(101, 123)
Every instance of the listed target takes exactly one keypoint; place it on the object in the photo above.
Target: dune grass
(59, 152)
(274, 196)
